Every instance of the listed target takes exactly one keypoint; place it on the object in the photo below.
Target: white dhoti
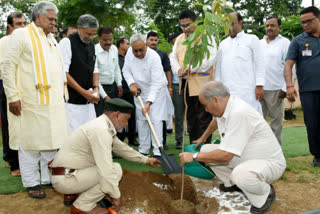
(86, 182)
(29, 166)
(80, 114)
(146, 138)
(251, 176)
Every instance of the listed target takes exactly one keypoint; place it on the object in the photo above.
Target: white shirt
(65, 48)
(108, 67)
(206, 63)
(274, 56)
(240, 67)
(246, 134)
(148, 74)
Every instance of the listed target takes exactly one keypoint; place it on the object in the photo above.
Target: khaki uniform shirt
(40, 126)
(92, 145)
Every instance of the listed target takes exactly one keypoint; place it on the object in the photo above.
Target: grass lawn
(294, 144)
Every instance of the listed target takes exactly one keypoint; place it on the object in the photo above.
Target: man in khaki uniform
(249, 156)
(84, 164)
(34, 84)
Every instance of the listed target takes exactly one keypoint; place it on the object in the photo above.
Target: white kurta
(40, 126)
(148, 74)
(275, 53)
(240, 67)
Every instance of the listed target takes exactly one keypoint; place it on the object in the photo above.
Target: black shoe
(104, 203)
(165, 147)
(316, 162)
(134, 143)
(179, 146)
(267, 206)
(233, 188)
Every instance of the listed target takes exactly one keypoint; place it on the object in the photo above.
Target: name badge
(307, 53)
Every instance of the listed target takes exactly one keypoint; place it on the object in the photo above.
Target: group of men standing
(51, 87)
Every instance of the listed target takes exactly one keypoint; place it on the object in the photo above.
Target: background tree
(117, 14)
(165, 13)
(256, 12)
(8, 6)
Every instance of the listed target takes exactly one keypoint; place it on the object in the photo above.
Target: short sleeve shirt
(246, 134)
(308, 65)
(164, 60)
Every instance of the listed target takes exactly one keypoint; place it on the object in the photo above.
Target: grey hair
(42, 8)
(88, 21)
(214, 88)
(137, 37)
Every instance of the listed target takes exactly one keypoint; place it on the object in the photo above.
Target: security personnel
(84, 164)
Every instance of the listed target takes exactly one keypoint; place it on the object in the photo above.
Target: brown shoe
(15, 172)
(68, 199)
(96, 210)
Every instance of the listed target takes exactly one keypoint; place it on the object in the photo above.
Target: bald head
(214, 88)
(214, 97)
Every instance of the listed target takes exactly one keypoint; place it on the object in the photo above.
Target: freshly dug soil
(181, 207)
(153, 192)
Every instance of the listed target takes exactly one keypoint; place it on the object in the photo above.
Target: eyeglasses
(185, 26)
(107, 40)
(308, 21)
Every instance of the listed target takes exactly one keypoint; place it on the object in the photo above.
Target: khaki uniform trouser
(273, 106)
(84, 182)
(252, 176)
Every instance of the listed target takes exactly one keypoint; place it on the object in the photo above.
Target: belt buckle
(66, 171)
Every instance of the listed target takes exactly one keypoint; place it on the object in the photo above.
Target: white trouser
(146, 137)
(80, 114)
(86, 182)
(29, 166)
(252, 176)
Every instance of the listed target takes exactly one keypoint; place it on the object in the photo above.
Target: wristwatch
(195, 155)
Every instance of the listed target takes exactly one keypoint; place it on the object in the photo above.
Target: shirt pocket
(243, 53)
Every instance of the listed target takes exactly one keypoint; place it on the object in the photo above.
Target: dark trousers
(112, 92)
(198, 118)
(9, 155)
(179, 107)
(131, 123)
(310, 102)
(164, 133)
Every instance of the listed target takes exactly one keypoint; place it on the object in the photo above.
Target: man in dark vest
(79, 59)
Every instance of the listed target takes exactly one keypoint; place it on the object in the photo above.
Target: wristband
(170, 89)
(290, 86)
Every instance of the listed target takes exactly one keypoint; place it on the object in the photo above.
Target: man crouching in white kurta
(143, 70)
(34, 83)
(249, 156)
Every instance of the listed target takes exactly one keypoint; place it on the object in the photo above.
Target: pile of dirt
(142, 192)
(152, 192)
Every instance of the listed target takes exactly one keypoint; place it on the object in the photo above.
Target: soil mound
(152, 192)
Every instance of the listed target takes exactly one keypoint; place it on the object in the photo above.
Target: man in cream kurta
(143, 69)
(249, 155)
(40, 126)
(240, 64)
(89, 151)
